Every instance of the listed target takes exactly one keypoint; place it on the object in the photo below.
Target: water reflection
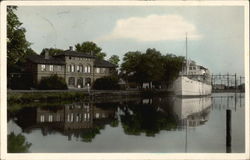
(192, 111)
(85, 119)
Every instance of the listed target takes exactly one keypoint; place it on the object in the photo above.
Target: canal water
(158, 124)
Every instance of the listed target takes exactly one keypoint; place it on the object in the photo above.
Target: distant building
(219, 86)
(78, 69)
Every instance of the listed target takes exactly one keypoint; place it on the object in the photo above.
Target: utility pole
(235, 78)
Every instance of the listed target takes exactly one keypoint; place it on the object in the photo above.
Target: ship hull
(184, 86)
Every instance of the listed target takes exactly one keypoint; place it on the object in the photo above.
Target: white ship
(193, 80)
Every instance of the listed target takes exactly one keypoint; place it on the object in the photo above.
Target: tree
(52, 51)
(90, 48)
(114, 59)
(172, 66)
(17, 143)
(101, 55)
(17, 45)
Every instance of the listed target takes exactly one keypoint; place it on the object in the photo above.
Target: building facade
(78, 69)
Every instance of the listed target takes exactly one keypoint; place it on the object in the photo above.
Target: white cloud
(153, 28)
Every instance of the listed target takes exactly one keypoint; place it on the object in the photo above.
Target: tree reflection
(144, 118)
(17, 143)
(89, 134)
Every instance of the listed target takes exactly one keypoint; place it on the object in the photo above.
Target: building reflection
(69, 119)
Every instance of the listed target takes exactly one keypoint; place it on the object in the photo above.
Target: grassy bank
(20, 97)
(100, 95)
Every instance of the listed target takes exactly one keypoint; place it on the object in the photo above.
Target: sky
(215, 33)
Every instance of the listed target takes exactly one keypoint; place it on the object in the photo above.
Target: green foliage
(52, 51)
(17, 45)
(90, 48)
(114, 59)
(52, 82)
(17, 143)
(172, 66)
(89, 134)
(146, 119)
(106, 83)
(101, 55)
(151, 66)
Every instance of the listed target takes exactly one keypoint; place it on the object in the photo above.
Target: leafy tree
(151, 66)
(52, 82)
(172, 66)
(17, 45)
(114, 59)
(101, 55)
(90, 48)
(52, 51)
(17, 143)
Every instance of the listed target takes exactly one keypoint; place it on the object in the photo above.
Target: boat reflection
(192, 111)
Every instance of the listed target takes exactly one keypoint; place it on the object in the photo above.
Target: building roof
(41, 60)
(103, 63)
(74, 54)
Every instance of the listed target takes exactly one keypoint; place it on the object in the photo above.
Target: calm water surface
(159, 124)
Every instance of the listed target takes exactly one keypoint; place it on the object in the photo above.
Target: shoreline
(27, 96)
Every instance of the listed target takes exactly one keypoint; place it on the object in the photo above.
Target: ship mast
(186, 57)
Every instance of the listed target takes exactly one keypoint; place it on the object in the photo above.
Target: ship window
(190, 68)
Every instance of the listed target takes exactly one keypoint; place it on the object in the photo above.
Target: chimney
(70, 48)
(46, 55)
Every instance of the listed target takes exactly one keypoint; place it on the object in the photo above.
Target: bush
(107, 83)
(20, 82)
(52, 82)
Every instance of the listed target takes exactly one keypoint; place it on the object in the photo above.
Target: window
(88, 68)
(50, 118)
(78, 68)
(51, 68)
(81, 68)
(42, 118)
(68, 68)
(85, 69)
(97, 115)
(72, 68)
(69, 57)
(59, 68)
(103, 70)
(97, 70)
(43, 67)
(71, 81)
(190, 68)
